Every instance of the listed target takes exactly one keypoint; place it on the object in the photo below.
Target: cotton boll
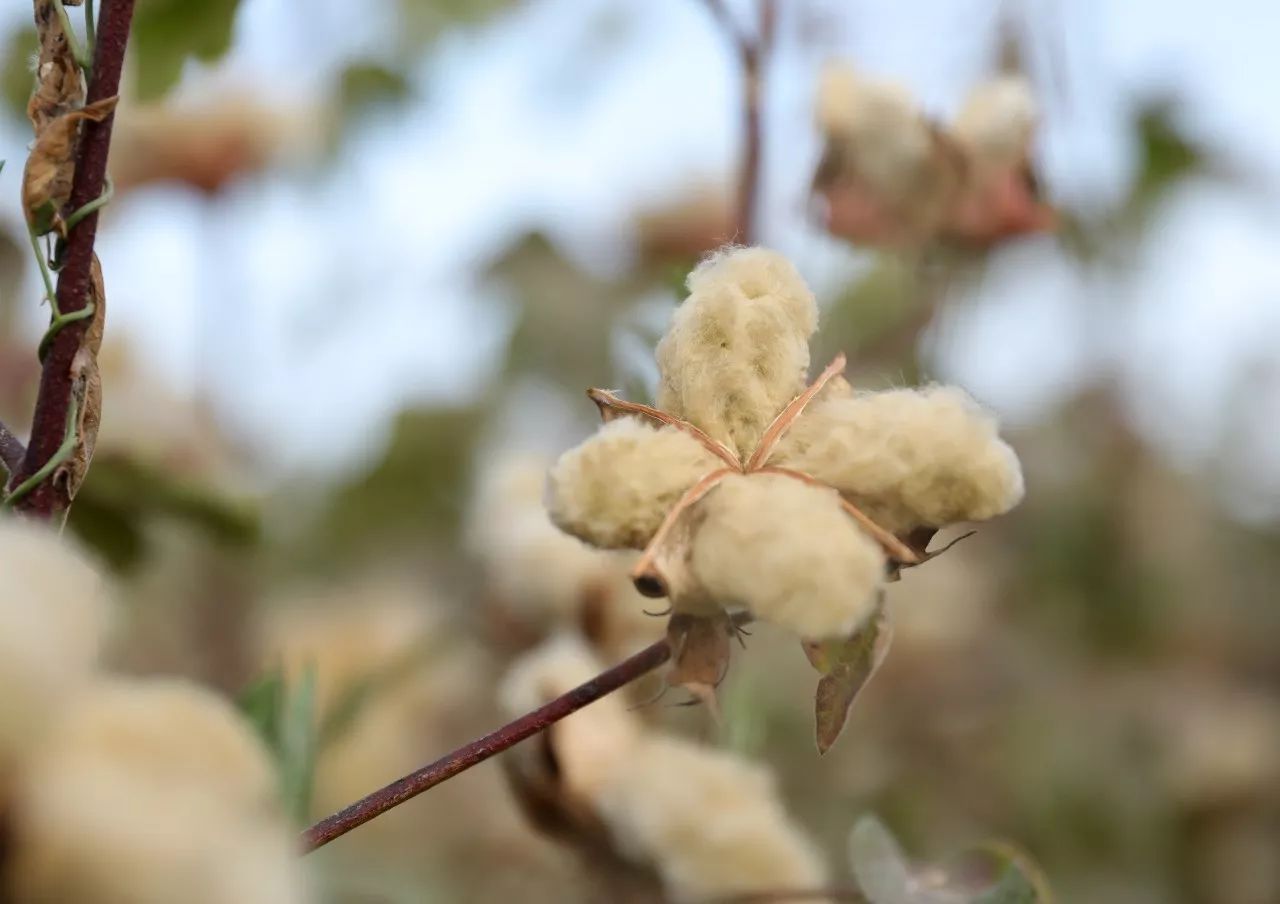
(591, 743)
(710, 822)
(545, 576)
(997, 121)
(882, 134)
(54, 616)
(907, 457)
(614, 489)
(738, 347)
(147, 793)
(789, 553)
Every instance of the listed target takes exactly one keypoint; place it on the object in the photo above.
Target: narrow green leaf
(298, 744)
(261, 703)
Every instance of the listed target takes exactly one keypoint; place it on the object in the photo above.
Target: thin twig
(48, 427)
(752, 53)
(478, 751)
(11, 450)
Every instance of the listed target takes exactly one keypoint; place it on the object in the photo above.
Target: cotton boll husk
(788, 552)
(590, 743)
(997, 121)
(615, 488)
(738, 347)
(147, 792)
(907, 457)
(54, 616)
(709, 821)
(546, 576)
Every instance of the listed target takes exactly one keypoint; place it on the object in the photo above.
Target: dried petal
(908, 458)
(615, 489)
(787, 552)
(700, 653)
(738, 347)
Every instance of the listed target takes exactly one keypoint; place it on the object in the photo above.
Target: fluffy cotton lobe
(615, 488)
(738, 346)
(789, 553)
(908, 457)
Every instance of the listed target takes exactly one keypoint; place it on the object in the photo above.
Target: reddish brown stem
(478, 751)
(49, 424)
(751, 53)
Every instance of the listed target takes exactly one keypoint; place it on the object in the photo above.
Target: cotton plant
(745, 488)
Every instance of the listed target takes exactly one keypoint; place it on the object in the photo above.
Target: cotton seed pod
(997, 121)
(789, 553)
(147, 793)
(54, 616)
(738, 346)
(615, 488)
(710, 822)
(591, 743)
(907, 457)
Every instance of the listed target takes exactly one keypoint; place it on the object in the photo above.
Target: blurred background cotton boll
(364, 260)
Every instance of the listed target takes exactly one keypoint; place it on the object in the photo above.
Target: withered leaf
(86, 385)
(46, 179)
(846, 665)
(700, 646)
(59, 81)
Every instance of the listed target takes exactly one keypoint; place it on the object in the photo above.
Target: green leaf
(846, 666)
(16, 80)
(261, 703)
(298, 745)
(166, 33)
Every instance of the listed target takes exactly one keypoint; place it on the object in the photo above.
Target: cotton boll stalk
(788, 552)
(907, 457)
(738, 347)
(711, 823)
(54, 615)
(147, 793)
(614, 489)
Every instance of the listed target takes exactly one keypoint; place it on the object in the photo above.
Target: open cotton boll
(738, 347)
(615, 488)
(591, 743)
(149, 793)
(54, 616)
(789, 553)
(997, 121)
(528, 563)
(710, 822)
(908, 457)
(546, 577)
(880, 130)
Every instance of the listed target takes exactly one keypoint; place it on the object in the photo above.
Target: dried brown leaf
(86, 385)
(701, 651)
(846, 665)
(46, 179)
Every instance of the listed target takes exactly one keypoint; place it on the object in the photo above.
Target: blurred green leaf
(166, 33)
(1167, 156)
(298, 746)
(261, 703)
(365, 84)
(16, 80)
